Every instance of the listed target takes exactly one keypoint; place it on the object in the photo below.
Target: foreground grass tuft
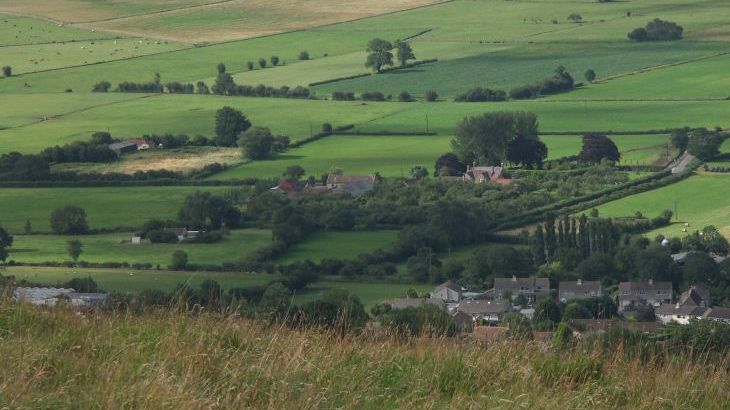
(170, 360)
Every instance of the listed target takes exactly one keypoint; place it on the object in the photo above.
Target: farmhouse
(448, 292)
(720, 314)
(123, 147)
(633, 294)
(480, 175)
(355, 185)
(579, 289)
(532, 288)
(678, 313)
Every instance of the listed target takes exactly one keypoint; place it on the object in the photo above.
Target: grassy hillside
(60, 359)
(701, 200)
(110, 248)
(105, 207)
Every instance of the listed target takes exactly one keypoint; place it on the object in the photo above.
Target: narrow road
(681, 163)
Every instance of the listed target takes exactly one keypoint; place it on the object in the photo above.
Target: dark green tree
(69, 220)
(257, 143)
(485, 138)
(179, 260)
(229, 123)
(538, 246)
(403, 52)
(274, 61)
(529, 152)
(590, 75)
(597, 147)
(74, 249)
(379, 54)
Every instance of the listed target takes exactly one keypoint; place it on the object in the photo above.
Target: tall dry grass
(62, 359)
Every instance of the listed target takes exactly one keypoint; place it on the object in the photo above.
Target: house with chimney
(580, 289)
(532, 288)
(480, 175)
(649, 293)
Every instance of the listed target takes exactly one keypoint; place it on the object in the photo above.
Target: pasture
(338, 245)
(701, 200)
(106, 208)
(16, 30)
(116, 247)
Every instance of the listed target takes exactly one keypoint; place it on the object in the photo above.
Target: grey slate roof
(402, 303)
(585, 286)
(482, 307)
(675, 309)
(645, 286)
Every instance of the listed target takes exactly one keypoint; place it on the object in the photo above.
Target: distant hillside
(167, 360)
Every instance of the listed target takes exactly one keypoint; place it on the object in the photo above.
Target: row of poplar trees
(579, 236)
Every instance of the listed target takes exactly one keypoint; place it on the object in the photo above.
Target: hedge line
(157, 182)
(573, 205)
(352, 77)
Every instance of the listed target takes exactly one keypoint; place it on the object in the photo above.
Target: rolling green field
(701, 200)
(16, 30)
(116, 248)
(338, 245)
(389, 155)
(105, 207)
(129, 280)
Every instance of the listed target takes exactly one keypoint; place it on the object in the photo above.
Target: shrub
(304, 55)
(373, 96)
(405, 96)
(274, 61)
(343, 96)
(69, 220)
(7, 71)
(657, 30)
(250, 65)
(101, 87)
(262, 62)
(431, 96)
(481, 94)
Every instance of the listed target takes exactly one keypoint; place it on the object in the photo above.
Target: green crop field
(701, 200)
(110, 207)
(189, 114)
(116, 248)
(338, 245)
(389, 155)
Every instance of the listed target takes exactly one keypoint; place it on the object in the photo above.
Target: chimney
(676, 306)
(580, 282)
(514, 278)
(651, 282)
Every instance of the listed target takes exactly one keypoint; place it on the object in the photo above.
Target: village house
(355, 185)
(720, 314)
(650, 293)
(464, 322)
(569, 290)
(480, 175)
(448, 292)
(532, 288)
(489, 311)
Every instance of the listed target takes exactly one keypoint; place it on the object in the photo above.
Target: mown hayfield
(701, 200)
(245, 19)
(179, 160)
(338, 245)
(41, 57)
(188, 114)
(389, 155)
(82, 10)
(116, 248)
(108, 207)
